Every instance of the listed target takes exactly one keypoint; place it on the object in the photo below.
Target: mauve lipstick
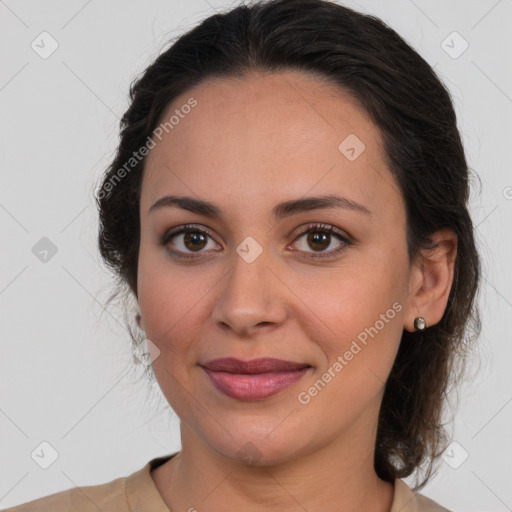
(255, 379)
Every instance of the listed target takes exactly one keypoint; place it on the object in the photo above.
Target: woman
(288, 205)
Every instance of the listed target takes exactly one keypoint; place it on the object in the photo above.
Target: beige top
(138, 493)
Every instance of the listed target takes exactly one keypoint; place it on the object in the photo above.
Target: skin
(249, 144)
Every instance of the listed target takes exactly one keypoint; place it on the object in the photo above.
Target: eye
(320, 237)
(189, 239)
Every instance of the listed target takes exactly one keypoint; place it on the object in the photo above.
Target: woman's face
(251, 282)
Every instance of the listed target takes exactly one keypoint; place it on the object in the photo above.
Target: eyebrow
(281, 210)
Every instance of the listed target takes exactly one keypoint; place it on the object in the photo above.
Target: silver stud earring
(419, 323)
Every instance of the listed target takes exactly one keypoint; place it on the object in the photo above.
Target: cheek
(356, 311)
(160, 296)
(172, 300)
(358, 350)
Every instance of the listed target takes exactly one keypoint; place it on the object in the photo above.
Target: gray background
(65, 362)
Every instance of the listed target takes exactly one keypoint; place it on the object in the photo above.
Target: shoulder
(406, 500)
(125, 494)
(106, 497)
(429, 505)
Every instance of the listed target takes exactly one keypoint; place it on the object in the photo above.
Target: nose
(251, 297)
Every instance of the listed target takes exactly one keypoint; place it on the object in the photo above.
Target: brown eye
(186, 240)
(194, 240)
(318, 240)
(320, 237)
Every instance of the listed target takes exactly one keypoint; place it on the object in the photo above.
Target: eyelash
(323, 228)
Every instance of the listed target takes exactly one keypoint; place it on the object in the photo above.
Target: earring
(419, 323)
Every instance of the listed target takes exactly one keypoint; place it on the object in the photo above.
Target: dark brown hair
(424, 152)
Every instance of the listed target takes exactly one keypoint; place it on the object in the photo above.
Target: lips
(263, 365)
(256, 379)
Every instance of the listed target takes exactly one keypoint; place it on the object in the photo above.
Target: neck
(338, 476)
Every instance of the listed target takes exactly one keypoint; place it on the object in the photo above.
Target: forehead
(266, 135)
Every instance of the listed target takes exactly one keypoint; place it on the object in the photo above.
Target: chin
(253, 446)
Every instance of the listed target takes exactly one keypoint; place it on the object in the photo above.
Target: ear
(431, 280)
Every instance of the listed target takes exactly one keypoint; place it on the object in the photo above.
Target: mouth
(256, 379)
